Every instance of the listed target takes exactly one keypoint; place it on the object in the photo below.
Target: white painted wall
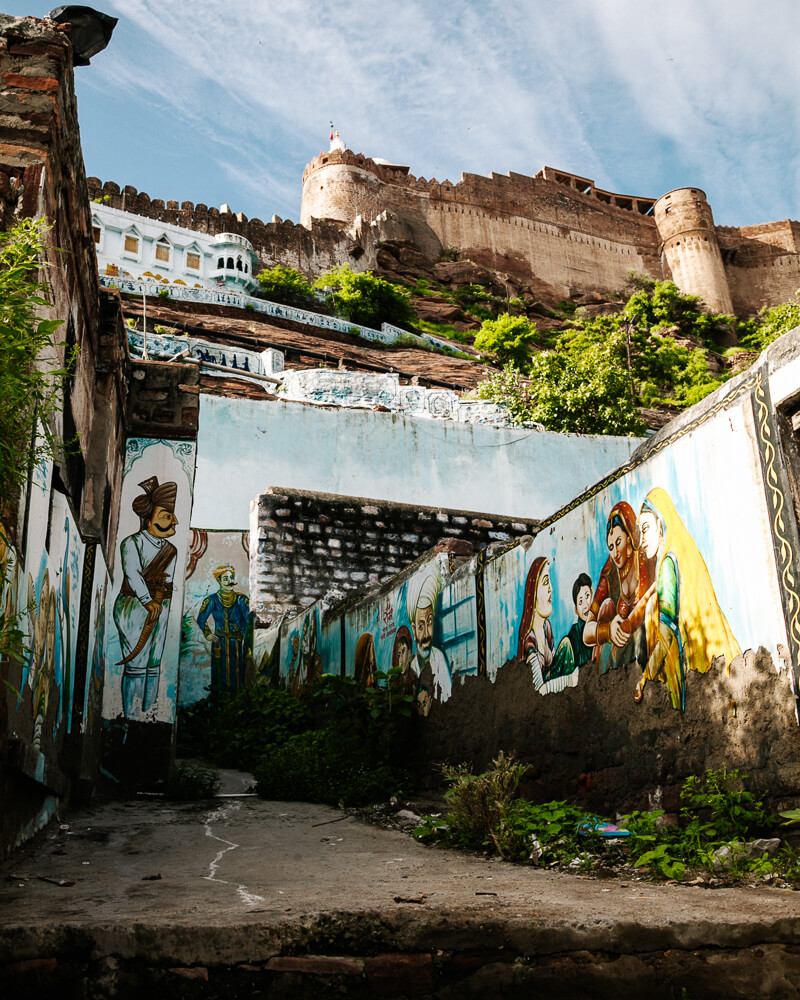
(246, 445)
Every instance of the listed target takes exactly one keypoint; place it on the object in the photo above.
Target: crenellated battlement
(555, 231)
(496, 187)
(281, 241)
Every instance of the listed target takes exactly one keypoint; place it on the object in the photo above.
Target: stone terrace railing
(388, 334)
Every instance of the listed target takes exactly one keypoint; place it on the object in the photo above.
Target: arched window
(245, 268)
(230, 263)
(220, 263)
(238, 263)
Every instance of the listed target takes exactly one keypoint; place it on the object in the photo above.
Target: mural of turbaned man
(217, 626)
(142, 636)
(425, 626)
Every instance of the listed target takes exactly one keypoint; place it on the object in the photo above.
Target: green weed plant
(485, 812)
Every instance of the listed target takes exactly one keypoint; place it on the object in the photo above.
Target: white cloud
(634, 94)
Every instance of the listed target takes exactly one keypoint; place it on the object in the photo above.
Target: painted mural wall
(654, 604)
(143, 612)
(216, 649)
(45, 592)
(424, 621)
(44, 691)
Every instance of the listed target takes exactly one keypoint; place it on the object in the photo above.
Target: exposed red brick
(320, 965)
(30, 82)
(30, 965)
(36, 49)
(194, 972)
(30, 195)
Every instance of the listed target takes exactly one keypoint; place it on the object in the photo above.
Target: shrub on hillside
(508, 338)
(284, 284)
(365, 299)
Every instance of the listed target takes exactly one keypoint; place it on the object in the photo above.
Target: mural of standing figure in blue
(141, 610)
(230, 613)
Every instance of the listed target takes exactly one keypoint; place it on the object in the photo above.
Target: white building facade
(131, 246)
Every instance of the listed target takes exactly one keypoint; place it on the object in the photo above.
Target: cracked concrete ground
(209, 893)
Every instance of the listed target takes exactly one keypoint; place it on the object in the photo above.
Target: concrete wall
(680, 653)
(245, 445)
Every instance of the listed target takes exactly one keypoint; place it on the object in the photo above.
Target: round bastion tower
(340, 185)
(690, 247)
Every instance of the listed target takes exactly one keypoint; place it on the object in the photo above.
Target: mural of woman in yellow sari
(686, 628)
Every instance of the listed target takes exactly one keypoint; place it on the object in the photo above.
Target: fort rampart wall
(556, 231)
(525, 225)
(563, 232)
(313, 250)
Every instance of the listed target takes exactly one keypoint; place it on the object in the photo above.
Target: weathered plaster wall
(693, 664)
(245, 445)
(305, 544)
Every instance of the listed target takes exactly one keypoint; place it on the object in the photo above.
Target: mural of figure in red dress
(615, 626)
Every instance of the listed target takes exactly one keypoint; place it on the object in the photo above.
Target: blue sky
(218, 102)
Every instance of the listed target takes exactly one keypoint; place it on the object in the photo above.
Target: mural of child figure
(401, 657)
(686, 628)
(552, 668)
(422, 597)
(230, 613)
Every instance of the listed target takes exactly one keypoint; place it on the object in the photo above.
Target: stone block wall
(304, 544)
(164, 399)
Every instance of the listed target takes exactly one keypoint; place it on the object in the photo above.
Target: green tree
(31, 385)
(512, 389)
(604, 368)
(585, 390)
(662, 305)
(284, 284)
(31, 380)
(508, 339)
(365, 299)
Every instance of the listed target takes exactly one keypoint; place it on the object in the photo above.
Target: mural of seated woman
(615, 627)
(686, 628)
(552, 669)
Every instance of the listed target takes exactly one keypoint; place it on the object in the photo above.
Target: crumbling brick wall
(304, 544)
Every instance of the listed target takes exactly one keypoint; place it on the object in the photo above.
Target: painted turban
(154, 495)
(423, 591)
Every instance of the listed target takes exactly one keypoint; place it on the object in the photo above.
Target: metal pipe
(241, 372)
